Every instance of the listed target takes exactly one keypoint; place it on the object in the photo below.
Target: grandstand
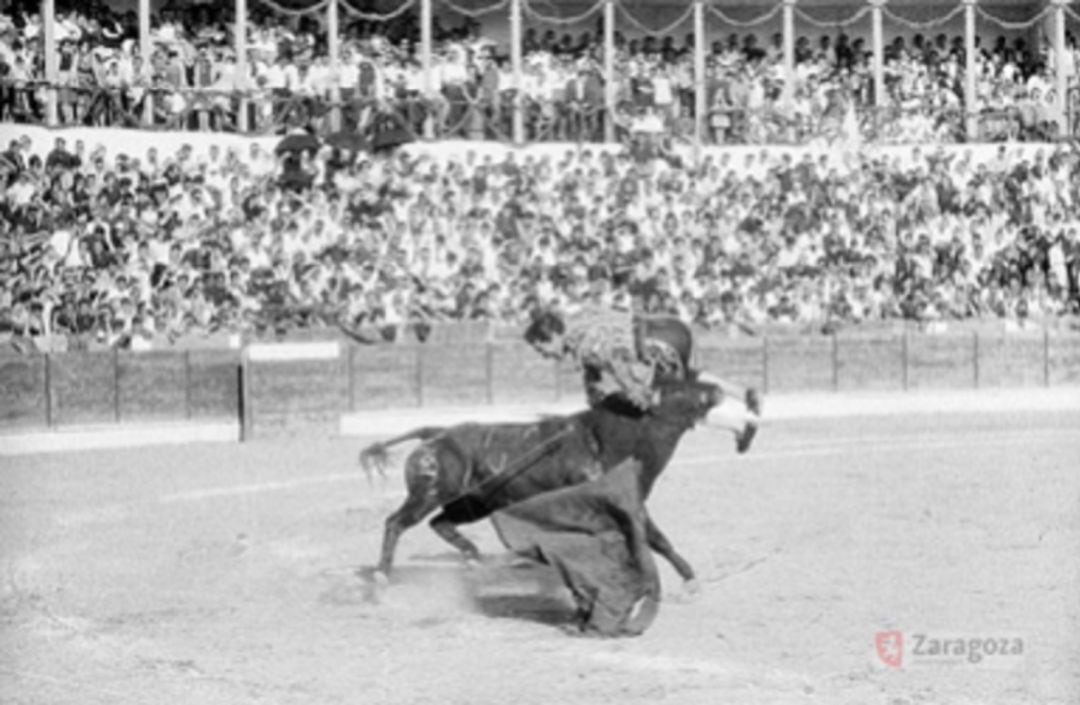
(509, 70)
(255, 199)
(337, 219)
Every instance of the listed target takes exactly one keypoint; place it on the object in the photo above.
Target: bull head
(741, 415)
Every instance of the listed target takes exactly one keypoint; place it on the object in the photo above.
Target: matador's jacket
(605, 343)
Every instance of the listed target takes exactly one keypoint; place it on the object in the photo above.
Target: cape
(594, 535)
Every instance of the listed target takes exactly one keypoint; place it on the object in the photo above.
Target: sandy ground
(227, 574)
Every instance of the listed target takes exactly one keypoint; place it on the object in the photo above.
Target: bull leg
(447, 530)
(415, 508)
(659, 543)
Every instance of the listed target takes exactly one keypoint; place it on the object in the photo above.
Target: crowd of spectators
(138, 249)
(192, 81)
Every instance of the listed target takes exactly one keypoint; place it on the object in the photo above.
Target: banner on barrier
(280, 352)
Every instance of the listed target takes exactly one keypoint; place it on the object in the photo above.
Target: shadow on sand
(500, 588)
(553, 610)
(519, 589)
(444, 557)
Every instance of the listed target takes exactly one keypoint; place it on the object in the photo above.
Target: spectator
(192, 72)
(114, 249)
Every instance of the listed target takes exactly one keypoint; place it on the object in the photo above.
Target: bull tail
(374, 457)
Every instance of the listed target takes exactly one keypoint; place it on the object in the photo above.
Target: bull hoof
(690, 593)
(473, 563)
(380, 578)
(742, 443)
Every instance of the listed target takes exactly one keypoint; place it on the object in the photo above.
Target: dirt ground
(228, 574)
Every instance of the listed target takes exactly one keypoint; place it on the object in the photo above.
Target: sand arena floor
(227, 574)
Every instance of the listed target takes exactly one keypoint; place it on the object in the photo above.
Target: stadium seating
(134, 248)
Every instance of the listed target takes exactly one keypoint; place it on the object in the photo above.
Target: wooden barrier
(1062, 360)
(110, 387)
(519, 375)
(24, 391)
(945, 361)
(800, 364)
(83, 388)
(869, 362)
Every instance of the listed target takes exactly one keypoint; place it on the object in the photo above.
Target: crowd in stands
(124, 249)
(192, 81)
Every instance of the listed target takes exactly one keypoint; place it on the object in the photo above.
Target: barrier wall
(113, 387)
(110, 387)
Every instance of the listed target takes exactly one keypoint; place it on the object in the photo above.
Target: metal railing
(468, 111)
(457, 112)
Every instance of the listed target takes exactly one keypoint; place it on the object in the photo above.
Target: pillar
(242, 82)
(610, 89)
(701, 82)
(333, 48)
(1061, 78)
(970, 108)
(426, 28)
(789, 51)
(516, 68)
(52, 60)
(146, 53)
(878, 39)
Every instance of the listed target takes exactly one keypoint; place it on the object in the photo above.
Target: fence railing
(116, 387)
(470, 112)
(465, 113)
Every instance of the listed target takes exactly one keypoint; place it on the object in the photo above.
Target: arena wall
(76, 389)
(136, 142)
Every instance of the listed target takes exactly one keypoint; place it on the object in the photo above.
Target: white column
(240, 40)
(879, 52)
(1061, 79)
(610, 92)
(970, 109)
(516, 68)
(701, 84)
(789, 51)
(52, 59)
(426, 22)
(145, 53)
(333, 47)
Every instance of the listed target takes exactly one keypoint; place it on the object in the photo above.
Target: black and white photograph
(540, 352)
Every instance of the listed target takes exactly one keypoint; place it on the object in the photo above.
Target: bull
(472, 470)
